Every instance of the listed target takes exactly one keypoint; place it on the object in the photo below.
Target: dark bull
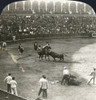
(55, 55)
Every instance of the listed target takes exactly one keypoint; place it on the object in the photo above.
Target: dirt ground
(28, 69)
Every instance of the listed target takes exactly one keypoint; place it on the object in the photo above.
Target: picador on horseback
(44, 51)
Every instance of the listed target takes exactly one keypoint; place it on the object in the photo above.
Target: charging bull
(55, 55)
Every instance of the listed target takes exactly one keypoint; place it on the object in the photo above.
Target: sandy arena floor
(28, 69)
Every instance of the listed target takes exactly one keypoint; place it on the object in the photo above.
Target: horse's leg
(42, 57)
(39, 57)
(48, 57)
(54, 59)
(60, 59)
(67, 80)
(45, 56)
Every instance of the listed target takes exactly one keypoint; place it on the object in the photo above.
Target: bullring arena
(67, 34)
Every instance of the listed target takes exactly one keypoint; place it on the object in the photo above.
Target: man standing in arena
(66, 76)
(35, 45)
(43, 86)
(13, 86)
(14, 38)
(20, 48)
(4, 46)
(1, 45)
(93, 74)
(7, 80)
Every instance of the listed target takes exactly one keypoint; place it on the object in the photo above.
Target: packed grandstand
(29, 19)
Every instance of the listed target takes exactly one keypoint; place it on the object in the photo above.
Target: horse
(44, 52)
(55, 55)
(72, 80)
(40, 53)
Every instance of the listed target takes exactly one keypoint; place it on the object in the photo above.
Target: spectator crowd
(26, 26)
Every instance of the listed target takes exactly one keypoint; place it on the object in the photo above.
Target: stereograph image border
(80, 49)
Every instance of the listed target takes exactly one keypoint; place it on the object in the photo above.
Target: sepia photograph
(48, 51)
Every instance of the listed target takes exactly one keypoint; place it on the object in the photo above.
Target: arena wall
(7, 96)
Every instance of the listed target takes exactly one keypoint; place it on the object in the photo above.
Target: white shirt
(43, 83)
(13, 83)
(65, 72)
(8, 79)
(4, 44)
(14, 38)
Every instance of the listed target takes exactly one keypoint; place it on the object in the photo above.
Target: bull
(55, 55)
